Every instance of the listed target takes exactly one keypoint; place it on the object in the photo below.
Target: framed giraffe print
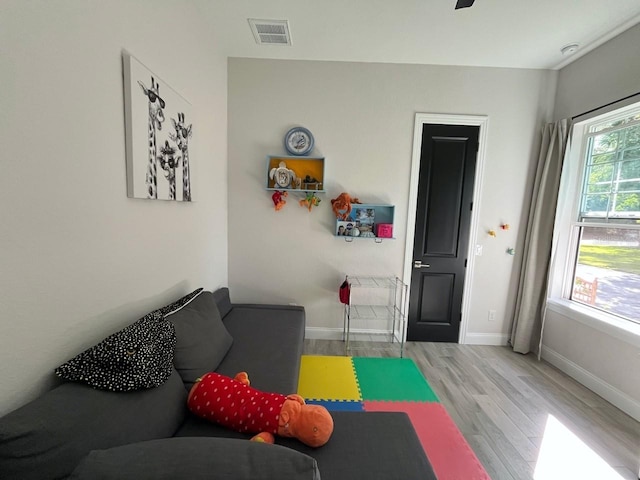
(159, 128)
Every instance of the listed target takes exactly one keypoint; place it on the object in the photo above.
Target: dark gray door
(441, 239)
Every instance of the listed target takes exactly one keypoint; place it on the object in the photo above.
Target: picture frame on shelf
(344, 228)
(364, 216)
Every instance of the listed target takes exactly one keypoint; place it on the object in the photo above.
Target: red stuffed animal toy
(278, 199)
(231, 402)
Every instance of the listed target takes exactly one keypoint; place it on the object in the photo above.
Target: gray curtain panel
(532, 288)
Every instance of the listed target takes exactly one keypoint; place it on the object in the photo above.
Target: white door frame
(481, 121)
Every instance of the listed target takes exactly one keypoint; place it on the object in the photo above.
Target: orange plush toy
(231, 402)
(341, 205)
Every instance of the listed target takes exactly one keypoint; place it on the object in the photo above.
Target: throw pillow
(202, 340)
(178, 304)
(138, 356)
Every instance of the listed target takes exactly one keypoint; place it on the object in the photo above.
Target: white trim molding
(618, 328)
(481, 121)
(610, 393)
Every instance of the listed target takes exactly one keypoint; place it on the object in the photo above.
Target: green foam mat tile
(392, 379)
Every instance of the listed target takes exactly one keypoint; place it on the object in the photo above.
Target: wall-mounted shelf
(302, 174)
(367, 221)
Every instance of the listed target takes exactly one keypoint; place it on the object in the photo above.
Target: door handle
(418, 264)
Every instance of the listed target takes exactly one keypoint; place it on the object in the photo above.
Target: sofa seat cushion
(267, 344)
(366, 445)
(197, 458)
(48, 437)
(202, 340)
(198, 427)
(379, 445)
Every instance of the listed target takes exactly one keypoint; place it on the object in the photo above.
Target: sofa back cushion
(48, 437)
(197, 458)
(268, 342)
(202, 340)
(223, 302)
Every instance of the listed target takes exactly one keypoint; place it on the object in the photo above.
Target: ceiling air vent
(270, 32)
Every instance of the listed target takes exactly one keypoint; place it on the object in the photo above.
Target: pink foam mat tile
(449, 453)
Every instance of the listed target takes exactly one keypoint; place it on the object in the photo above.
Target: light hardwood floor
(502, 402)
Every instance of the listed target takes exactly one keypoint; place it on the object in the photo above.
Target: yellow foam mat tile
(328, 378)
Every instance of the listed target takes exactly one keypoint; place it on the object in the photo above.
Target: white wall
(604, 75)
(78, 259)
(362, 116)
(609, 364)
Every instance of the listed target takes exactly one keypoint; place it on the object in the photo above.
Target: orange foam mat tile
(449, 453)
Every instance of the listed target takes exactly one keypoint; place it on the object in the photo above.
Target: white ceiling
(496, 33)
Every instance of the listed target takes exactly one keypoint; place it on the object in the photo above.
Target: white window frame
(566, 239)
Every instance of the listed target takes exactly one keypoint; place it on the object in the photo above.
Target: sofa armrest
(221, 297)
(223, 301)
(197, 458)
(49, 436)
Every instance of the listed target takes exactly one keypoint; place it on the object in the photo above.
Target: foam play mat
(391, 385)
(328, 378)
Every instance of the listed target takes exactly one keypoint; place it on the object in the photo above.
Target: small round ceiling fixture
(569, 49)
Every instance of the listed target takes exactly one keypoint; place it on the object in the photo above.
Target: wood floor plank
(459, 403)
(531, 428)
(487, 456)
(581, 419)
(526, 449)
(468, 374)
(626, 474)
(518, 392)
(501, 401)
(569, 384)
(508, 453)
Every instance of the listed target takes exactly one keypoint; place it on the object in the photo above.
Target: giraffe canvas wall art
(158, 131)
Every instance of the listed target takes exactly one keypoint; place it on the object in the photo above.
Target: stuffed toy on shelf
(341, 205)
(310, 201)
(278, 198)
(233, 403)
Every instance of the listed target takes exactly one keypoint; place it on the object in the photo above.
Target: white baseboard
(610, 393)
(324, 333)
(486, 339)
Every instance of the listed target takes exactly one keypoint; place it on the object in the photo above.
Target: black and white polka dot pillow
(137, 357)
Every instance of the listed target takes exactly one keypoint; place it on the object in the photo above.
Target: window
(604, 237)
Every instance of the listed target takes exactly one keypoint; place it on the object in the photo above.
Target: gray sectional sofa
(76, 431)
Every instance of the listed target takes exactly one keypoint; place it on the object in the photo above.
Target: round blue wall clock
(298, 141)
